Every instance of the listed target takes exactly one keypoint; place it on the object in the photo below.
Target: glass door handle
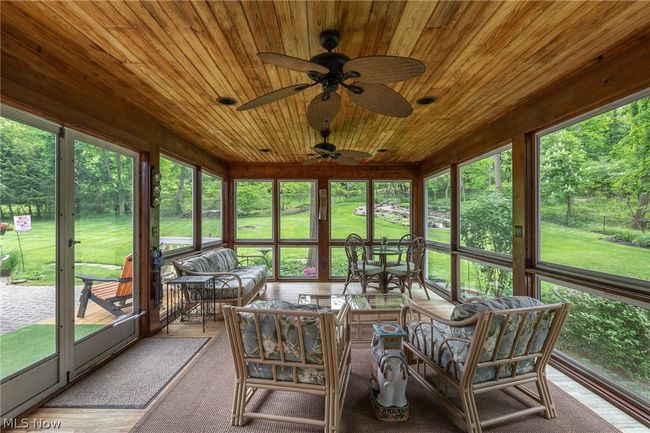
(72, 242)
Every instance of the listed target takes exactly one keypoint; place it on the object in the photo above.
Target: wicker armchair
(488, 345)
(281, 346)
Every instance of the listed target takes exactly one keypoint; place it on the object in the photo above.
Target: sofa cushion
(311, 337)
(451, 355)
(227, 286)
(221, 260)
(467, 310)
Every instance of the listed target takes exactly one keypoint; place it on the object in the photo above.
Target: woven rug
(133, 378)
(201, 401)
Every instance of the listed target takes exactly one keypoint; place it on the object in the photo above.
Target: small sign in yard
(22, 224)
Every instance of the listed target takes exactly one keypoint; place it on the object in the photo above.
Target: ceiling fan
(332, 70)
(327, 152)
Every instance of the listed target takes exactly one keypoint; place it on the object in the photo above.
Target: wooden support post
(198, 209)
(519, 221)
(455, 231)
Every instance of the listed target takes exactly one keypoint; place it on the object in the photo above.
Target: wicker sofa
(501, 343)
(238, 281)
(277, 345)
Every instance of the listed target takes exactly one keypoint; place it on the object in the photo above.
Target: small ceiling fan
(332, 70)
(327, 152)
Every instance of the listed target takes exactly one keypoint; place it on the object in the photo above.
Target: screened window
(176, 204)
(594, 192)
(256, 255)
(478, 279)
(348, 213)
(338, 262)
(392, 209)
(439, 269)
(609, 337)
(486, 203)
(299, 262)
(211, 208)
(254, 206)
(438, 208)
(298, 213)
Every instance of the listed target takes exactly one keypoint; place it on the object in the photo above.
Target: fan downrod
(329, 39)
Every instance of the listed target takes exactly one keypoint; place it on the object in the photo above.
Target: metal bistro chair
(410, 268)
(358, 266)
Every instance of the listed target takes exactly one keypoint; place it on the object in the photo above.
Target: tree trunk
(639, 216)
(180, 193)
(497, 172)
(121, 196)
(569, 211)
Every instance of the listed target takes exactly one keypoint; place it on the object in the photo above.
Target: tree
(563, 168)
(630, 158)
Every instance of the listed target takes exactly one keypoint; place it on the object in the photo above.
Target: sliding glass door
(68, 284)
(103, 244)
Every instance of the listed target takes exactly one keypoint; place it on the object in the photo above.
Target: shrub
(642, 241)
(9, 264)
(611, 334)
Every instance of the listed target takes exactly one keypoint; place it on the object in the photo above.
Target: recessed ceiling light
(265, 150)
(226, 100)
(427, 100)
(382, 150)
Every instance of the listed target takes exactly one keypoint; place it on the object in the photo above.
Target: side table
(182, 294)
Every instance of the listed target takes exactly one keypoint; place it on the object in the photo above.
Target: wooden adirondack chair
(113, 294)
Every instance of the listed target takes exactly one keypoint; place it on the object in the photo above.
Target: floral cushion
(452, 355)
(311, 337)
(227, 287)
(221, 260)
(467, 310)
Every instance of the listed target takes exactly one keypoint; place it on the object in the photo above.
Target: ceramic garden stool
(387, 387)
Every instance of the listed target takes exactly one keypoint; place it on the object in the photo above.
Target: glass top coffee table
(365, 309)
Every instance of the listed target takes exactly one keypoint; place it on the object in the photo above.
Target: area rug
(201, 401)
(133, 378)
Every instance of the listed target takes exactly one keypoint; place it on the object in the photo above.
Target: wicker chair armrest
(251, 258)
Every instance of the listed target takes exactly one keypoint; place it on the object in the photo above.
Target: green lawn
(588, 250)
(105, 242)
(32, 343)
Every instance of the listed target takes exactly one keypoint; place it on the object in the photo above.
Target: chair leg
(545, 396)
(347, 281)
(240, 403)
(83, 299)
(424, 286)
(470, 411)
(408, 283)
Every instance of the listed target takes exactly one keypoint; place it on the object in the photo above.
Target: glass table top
(368, 301)
(384, 251)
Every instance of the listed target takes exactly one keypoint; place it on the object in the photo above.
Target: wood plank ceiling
(173, 59)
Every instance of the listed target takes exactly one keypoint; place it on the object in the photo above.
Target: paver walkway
(21, 306)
